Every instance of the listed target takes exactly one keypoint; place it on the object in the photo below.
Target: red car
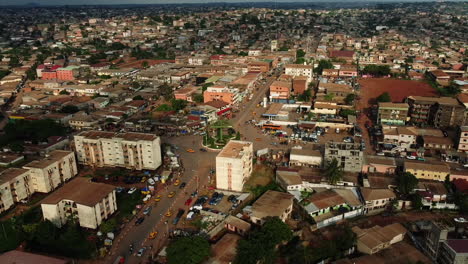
(188, 202)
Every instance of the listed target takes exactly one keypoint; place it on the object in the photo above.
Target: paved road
(195, 164)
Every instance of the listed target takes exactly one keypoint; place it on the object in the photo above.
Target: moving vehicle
(171, 194)
(157, 198)
(182, 185)
(203, 150)
(132, 190)
(188, 202)
(271, 127)
(190, 150)
(141, 251)
(147, 211)
(152, 235)
(139, 221)
(177, 182)
(168, 213)
(190, 215)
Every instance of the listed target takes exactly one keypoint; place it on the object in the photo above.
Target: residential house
(427, 170)
(271, 204)
(377, 238)
(377, 199)
(401, 137)
(236, 225)
(438, 143)
(379, 164)
(349, 155)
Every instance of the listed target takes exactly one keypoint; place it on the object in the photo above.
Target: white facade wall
(233, 172)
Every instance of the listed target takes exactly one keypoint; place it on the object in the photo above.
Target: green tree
(384, 98)
(69, 109)
(164, 108)
(188, 250)
(323, 64)
(306, 96)
(138, 97)
(406, 182)
(178, 104)
(346, 112)
(64, 92)
(329, 96)
(238, 135)
(108, 226)
(333, 172)
(145, 64)
(416, 201)
(242, 54)
(349, 99)
(300, 53)
(198, 98)
(461, 200)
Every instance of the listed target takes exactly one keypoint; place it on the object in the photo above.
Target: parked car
(411, 157)
(182, 185)
(132, 190)
(139, 221)
(147, 211)
(337, 130)
(151, 181)
(141, 251)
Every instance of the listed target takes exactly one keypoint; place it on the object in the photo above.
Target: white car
(151, 181)
(460, 220)
(132, 190)
(141, 251)
(337, 130)
(411, 157)
(380, 154)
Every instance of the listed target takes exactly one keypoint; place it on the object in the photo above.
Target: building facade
(234, 165)
(427, 171)
(349, 155)
(137, 151)
(393, 113)
(300, 70)
(89, 203)
(51, 172)
(14, 187)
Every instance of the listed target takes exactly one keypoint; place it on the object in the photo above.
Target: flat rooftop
(10, 174)
(81, 191)
(234, 149)
(131, 136)
(53, 157)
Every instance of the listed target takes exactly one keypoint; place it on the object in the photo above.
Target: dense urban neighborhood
(239, 133)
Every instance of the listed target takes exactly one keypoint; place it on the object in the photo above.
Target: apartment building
(300, 70)
(88, 202)
(421, 108)
(271, 204)
(463, 139)
(453, 251)
(427, 171)
(349, 155)
(137, 151)
(449, 113)
(280, 90)
(259, 66)
(14, 187)
(393, 113)
(234, 165)
(437, 111)
(54, 170)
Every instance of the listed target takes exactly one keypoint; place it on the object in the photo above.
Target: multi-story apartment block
(453, 251)
(300, 70)
(129, 150)
(427, 171)
(463, 139)
(437, 111)
(49, 173)
(221, 93)
(437, 232)
(89, 203)
(393, 113)
(349, 155)
(234, 165)
(14, 187)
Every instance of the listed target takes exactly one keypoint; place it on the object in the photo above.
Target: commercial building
(305, 158)
(271, 204)
(54, 170)
(300, 70)
(393, 113)
(137, 151)
(14, 187)
(349, 155)
(280, 90)
(221, 93)
(427, 171)
(234, 165)
(88, 202)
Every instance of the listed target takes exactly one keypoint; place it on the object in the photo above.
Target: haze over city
(243, 132)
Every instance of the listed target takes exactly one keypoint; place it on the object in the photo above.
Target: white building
(300, 70)
(305, 158)
(90, 203)
(234, 165)
(49, 173)
(130, 150)
(14, 187)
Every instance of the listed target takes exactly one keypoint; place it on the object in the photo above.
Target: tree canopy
(384, 98)
(188, 250)
(406, 182)
(333, 172)
(323, 64)
(376, 70)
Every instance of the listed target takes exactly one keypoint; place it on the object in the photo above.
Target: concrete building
(393, 113)
(305, 158)
(427, 171)
(453, 251)
(280, 90)
(90, 203)
(349, 155)
(271, 204)
(377, 199)
(130, 150)
(300, 70)
(54, 170)
(14, 187)
(463, 139)
(234, 165)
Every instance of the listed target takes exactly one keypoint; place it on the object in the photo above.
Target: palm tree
(333, 172)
